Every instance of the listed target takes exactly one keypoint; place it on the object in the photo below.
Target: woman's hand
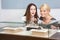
(35, 19)
(53, 27)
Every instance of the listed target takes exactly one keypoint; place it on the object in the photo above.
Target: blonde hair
(46, 6)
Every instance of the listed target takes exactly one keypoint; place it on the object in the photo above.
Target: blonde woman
(45, 17)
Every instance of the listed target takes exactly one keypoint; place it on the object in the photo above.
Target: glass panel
(35, 30)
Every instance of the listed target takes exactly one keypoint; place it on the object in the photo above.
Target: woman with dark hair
(31, 14)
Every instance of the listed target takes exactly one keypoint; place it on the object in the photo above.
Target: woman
(31, 14)
(46, 18)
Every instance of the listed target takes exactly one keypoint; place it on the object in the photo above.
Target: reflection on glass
(35, 30)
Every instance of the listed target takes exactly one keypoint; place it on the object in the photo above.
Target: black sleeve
(55, 24)
(41, 18)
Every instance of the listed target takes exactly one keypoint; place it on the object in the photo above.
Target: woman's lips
(32, 13)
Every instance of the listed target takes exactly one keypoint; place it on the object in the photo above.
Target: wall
(15, 15)
(22, 4)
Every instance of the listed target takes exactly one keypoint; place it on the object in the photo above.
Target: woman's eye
(34, 9)
(44, 11)
(40, 11)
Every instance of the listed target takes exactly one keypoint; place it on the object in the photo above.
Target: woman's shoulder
(41, 18)
(53, 19)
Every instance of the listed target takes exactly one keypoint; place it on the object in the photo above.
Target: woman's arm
(55, 26)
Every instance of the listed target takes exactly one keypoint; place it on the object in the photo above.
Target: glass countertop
(19, 28)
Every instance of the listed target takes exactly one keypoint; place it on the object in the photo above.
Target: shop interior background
(14, 10)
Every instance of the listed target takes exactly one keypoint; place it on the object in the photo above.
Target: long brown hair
(28, 15)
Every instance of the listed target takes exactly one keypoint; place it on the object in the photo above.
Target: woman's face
(44, 12)
(32, 10)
